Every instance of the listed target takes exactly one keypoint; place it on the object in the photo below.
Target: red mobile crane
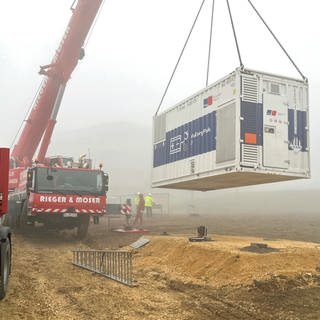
(55, 191)
(5, 233)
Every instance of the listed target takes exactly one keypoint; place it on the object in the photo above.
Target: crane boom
(57, 191)
(42, 117)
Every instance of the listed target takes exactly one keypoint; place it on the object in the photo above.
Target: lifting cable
(281, 46)
(210, 41)
(209, 51)
(182, 51)
(93, 25)
(27, 113)
(235, 35)
(236, 42)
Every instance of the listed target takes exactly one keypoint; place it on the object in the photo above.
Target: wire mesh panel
(116, 265)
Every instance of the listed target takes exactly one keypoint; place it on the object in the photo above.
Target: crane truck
(55, 191)
(5, 233)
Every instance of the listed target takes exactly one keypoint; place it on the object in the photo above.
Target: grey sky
(132, 52)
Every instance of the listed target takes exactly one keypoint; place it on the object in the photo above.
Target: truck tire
(10, 219)
(83, 226)
(5, 266)
(23, 219)
(5, 220)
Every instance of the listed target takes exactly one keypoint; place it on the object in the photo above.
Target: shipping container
(248, 128)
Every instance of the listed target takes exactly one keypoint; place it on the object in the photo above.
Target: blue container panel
(159, 154)
(252, 114)
(191, 139)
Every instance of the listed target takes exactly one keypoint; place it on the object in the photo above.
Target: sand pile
(221, 262)
(177, 279)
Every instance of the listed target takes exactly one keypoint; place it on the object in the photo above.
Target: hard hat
(149, 194)
(138, 193)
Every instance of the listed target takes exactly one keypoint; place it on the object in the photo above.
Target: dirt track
(176, 279)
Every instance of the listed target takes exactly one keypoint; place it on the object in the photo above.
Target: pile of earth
(223, 261)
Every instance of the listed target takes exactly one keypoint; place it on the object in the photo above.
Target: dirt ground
(177, 279)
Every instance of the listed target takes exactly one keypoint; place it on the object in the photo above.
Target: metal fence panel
(116, 265)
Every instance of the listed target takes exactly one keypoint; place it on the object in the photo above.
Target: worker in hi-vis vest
(136, 201)
(148, 204)
(140, 209)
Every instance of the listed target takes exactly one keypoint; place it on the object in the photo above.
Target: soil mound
(177, 279)
(224, 262)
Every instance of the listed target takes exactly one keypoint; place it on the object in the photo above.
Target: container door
(275, 131)
(226, 134)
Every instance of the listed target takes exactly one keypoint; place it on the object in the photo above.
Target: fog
(114, 92)
(124, 150)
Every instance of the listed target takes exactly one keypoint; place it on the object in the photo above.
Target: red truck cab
(59, 197)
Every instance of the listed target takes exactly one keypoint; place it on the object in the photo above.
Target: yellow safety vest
(148, 201)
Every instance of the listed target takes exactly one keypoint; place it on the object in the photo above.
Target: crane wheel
(23, 219)
(5, 266)
(83, 226)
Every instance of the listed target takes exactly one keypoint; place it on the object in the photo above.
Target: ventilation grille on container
(274, 88)
(249, 89)
(192, 166)
(159, 129)
(250, 155)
